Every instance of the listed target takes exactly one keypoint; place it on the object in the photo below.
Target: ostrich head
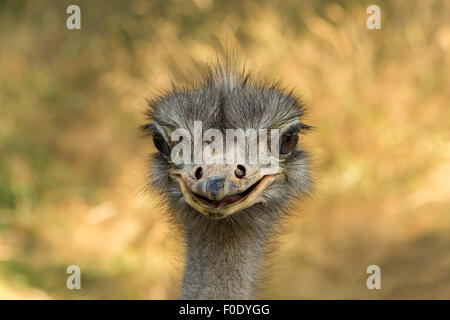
(226, 202)
(223, 99)
(226, 205)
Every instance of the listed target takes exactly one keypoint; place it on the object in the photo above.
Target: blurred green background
(72, 168)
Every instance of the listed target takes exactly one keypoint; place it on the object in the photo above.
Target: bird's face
(227, 150)
(225, 189)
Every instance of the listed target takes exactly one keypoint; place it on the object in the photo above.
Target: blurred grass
(72, 166)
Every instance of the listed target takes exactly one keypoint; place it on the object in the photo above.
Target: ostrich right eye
(161, 145)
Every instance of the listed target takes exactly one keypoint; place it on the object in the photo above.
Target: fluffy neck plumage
(223, 258)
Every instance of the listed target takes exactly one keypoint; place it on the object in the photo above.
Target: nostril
(199, 173)
(240, 171)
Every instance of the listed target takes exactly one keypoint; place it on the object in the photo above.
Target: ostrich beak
(221, 191)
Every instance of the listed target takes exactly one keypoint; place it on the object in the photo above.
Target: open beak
(219, 193)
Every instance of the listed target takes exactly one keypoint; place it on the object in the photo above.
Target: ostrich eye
(161, 145)
(288, 142)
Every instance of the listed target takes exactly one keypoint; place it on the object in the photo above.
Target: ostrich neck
(222, 260)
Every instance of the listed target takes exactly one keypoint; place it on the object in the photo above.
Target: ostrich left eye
(288, 142)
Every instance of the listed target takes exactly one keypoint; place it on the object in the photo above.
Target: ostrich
(227, 212)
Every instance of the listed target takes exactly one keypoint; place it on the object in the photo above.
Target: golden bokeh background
(72, 167)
